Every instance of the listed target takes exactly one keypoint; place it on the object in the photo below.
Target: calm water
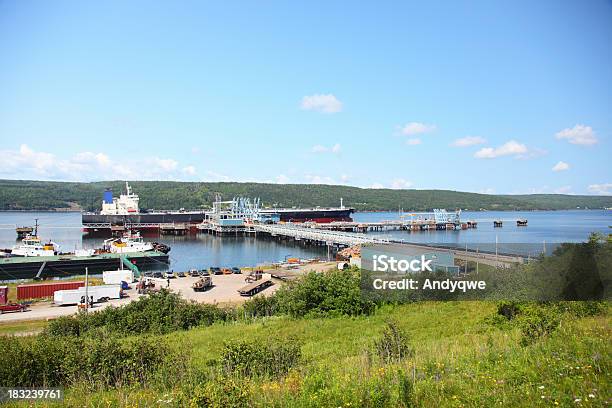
(204, 250)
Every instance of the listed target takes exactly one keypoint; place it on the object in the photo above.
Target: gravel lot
(224, 291)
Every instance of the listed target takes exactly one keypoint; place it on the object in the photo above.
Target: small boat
(130, 242)
(521, 222)
(31, 245)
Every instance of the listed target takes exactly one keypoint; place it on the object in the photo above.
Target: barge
(41, 267)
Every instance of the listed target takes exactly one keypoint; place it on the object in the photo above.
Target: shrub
(334, 293)
(393, 345)
(272, 359)
(582, 308)
(98, 362)
(161, 312)
(508, 309)
(537, 321)
(261, 306)
(223, 392)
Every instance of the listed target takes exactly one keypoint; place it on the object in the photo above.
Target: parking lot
(224, 291)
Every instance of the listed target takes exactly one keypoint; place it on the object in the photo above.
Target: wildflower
(541, 387)
(578, 400)
(591, 395)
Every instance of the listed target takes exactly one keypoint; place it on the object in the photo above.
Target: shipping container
(42, 290)
(3, 295)
(99, 293)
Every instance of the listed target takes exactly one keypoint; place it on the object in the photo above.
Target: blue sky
(474, 96)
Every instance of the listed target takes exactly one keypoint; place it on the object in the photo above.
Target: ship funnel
(108, 196)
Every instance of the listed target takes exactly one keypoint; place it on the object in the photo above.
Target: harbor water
(203, 250)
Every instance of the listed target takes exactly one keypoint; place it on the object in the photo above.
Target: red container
(42, 290)
(3, 295)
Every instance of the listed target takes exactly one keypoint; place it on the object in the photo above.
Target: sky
(481, 96)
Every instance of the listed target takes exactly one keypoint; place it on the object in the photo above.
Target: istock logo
(385, 263)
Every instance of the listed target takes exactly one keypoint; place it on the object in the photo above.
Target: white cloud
(377, 186)
(324, 149)
(400, 184)
(579, 134)
(85, 166)
(600, 189)
(189, 170)
(487, 191)
(510, 148)
(321, 103)
(316, 179)
(416, 128)
(468, 141)
(563, 190)
(561, 166)
(282, 179)
(165, 164)
(413, 142)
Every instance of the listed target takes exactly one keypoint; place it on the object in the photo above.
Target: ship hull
(314, 215)
(58, 266)
(94, 223)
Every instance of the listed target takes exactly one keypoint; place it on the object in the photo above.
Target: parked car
(13, 307)
(181, 274)
(169, 275)
(194, 273)
(226, 271)
(158, 275)
(204, 272)
(236, 270)
(215, 270)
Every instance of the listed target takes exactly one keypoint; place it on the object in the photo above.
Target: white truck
(118, 276)
(99, 294)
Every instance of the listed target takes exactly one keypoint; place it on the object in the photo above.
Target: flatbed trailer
(255, 287)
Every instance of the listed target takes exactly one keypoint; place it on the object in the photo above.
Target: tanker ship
(122, 213)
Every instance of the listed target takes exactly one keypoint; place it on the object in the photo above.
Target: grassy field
(459, 360)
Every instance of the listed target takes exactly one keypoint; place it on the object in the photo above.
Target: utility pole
(86, 289)
(496, 256)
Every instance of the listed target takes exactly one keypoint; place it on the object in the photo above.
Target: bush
(223, 392)
(393, 345)
(582, 308)
(98, 362)
(537, 321)
(161, 312)
(273, 359)
(334, 293)
(508, 309)
(261, 306)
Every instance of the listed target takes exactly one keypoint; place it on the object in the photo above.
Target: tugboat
(32, 246)
(133, 242)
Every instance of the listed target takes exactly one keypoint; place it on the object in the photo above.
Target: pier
(344, 239)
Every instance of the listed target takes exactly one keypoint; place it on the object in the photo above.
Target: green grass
(459, 361)
(22, 328)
